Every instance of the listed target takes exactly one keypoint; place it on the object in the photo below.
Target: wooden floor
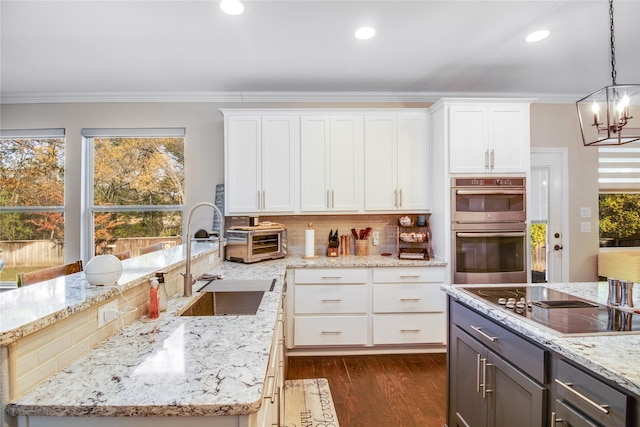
(381, 390)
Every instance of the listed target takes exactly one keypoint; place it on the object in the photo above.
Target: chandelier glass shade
(611, 115)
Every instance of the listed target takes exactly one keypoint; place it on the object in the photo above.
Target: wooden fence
(44, 253)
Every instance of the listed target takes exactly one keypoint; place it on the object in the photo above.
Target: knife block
(332, 251)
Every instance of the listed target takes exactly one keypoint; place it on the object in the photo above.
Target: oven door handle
(500, 234)
(488, 191)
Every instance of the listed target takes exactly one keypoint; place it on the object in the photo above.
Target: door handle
(557, 247)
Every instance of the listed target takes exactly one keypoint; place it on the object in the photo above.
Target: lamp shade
(103, 270)
(610, 116)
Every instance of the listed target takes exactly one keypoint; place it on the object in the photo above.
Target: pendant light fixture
(610, 116)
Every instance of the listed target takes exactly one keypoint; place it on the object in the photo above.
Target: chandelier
(611, 115)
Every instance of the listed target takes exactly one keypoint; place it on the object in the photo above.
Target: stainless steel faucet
(188, 278)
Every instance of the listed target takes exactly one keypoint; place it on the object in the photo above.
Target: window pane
(129, 231)
(619, 219)
(32, 172)
(31, 176)
(138, 171)
(138, 192)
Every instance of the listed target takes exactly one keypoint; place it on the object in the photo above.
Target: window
(619, 204)
(31, 200)
(136, 189)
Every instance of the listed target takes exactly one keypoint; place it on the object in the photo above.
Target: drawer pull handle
(331, 277)
(569, 387)
(331, 300)
(417, 276)
(478, 359)
(555, 419)
(331, 332)
(479, 330)
(413, 331)
(410, 299)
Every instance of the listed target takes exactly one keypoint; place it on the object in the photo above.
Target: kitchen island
(517, 357)
(209, 369)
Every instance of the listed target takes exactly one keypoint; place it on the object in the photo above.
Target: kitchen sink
(229, 297)
(225, 303)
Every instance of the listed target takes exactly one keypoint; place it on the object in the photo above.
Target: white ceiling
(289, 50)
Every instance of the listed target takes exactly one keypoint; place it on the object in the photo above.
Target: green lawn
(9, 274)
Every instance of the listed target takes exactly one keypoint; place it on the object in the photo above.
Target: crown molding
(268, 97)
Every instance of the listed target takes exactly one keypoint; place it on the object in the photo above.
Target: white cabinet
(271, 412)
(330, 307)
(331, 162)
(408, 306)
(360, 309)
(260, 163)
(486, 136)
(396, 162)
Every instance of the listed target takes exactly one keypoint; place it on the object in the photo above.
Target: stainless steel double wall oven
(489, 230)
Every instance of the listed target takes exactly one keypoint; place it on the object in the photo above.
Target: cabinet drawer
(409, 328)
(330, 330)
(408, 298)
(331, 299)
(408, 275)
(596, 399)
(527, 356)
(335, 275)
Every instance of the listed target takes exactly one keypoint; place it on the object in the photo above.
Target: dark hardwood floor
(381, 390)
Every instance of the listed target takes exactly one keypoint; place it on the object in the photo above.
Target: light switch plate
(585, 227)
(107, 313)
(585, 213)
(376, 238)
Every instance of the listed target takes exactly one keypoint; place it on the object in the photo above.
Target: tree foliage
(32, 174)
(619, 215)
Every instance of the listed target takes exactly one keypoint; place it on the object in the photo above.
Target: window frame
(89, 209)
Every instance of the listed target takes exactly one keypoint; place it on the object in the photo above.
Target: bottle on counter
(154, 299)
(162, 292)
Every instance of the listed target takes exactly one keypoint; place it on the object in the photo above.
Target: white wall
(552, 125)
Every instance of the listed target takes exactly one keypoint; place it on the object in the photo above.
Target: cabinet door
(346, 162)
(467, 405)
(508, 139)
(314, 163)
(468, 139)
(514, 398)
(243, 167)
(413, 162)
(380, 145)
(280, 136)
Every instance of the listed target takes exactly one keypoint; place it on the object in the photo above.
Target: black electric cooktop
(559, 311)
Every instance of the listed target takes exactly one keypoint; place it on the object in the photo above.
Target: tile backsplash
(385, 225)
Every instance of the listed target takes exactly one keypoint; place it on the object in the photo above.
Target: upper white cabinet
(260, 162)
(486, 136)
(331, 162)
(397, 162)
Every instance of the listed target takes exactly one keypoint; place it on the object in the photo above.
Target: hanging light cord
(613, 47)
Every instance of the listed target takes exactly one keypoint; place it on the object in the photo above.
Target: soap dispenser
(154, 299)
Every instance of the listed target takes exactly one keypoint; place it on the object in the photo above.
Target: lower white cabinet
(416, 328)
(271, 413)
(366, 307)
(333, 330)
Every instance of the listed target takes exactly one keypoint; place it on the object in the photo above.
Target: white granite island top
(611, 356)
(182, 366)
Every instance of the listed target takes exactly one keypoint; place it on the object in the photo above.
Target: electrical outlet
(376, 238)
(585, 227)
(107, 313)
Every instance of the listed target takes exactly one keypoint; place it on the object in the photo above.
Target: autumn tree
(31, 175)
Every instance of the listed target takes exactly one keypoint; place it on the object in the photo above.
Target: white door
(548, 207)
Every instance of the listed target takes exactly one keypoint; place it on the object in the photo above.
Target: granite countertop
(189, 366)
(610, 356)
(28, 309)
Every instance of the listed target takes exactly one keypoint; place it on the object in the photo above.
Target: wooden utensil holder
(362, 247)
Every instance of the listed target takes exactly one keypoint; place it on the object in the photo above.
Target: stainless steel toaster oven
(253, 244)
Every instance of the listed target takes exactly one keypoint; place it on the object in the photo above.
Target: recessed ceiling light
(536, 36)
(232, 7)
(365, 33)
